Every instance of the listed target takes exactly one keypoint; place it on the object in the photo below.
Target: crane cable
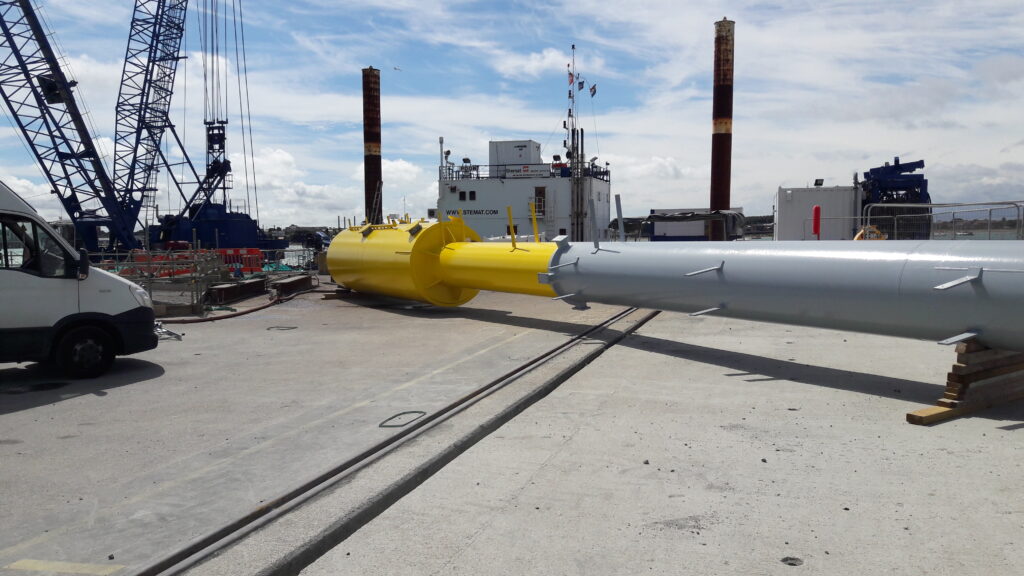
(245, 109)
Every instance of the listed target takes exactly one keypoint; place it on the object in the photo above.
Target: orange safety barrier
(177, 263)
(242, 260)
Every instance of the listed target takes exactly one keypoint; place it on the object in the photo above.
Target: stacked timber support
(982, 377)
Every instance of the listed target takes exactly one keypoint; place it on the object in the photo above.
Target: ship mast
(574, 151)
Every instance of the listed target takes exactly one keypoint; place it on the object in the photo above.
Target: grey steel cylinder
(934, 290)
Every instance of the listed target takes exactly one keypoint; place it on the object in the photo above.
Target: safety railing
(948, 221)
(962, 221)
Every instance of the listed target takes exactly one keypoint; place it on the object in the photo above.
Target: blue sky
(822, 89)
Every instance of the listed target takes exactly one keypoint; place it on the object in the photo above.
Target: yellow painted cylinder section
(443, 264)
(398, 260)
(498, 266)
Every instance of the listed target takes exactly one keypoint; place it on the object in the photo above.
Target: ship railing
(505, 171)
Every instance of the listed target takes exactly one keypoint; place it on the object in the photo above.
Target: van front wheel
(85, 352)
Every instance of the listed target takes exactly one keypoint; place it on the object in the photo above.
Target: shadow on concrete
(419, 310)
(750, 367)
(26, 386)
(753, 368)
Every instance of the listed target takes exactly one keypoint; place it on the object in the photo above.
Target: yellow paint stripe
(64, 567)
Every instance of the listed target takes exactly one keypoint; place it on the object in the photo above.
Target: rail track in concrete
(200, 550)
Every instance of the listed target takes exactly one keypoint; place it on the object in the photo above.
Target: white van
(54, 307)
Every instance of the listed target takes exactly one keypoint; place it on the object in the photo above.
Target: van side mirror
(83, 264)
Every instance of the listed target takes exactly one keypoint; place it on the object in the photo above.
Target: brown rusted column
(373, 176)
(721, 132)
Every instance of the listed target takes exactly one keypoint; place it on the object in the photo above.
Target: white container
(840, 207)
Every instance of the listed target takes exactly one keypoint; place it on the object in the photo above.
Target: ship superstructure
(517, 176)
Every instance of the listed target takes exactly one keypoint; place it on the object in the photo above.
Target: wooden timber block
(992, 391)
(981, 378)
(986, 373)
(931, 415)
(978, 365)
(983, 355)
(968, 346)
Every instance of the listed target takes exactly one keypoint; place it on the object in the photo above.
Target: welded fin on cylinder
(557, 266)
(576, 304)
(959, 281)
(959, 338)
(721, 265)
(706, 311)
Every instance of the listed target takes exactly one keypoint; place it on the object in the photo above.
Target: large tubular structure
(933, 290)
(721, 129)
(372, 171)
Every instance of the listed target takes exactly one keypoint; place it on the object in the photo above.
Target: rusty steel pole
(721, 131)
(373, 177)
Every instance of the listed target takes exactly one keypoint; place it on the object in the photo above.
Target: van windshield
(28, 247)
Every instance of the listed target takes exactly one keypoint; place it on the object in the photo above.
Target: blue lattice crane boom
(144, 100)
(143, 114)
(39, 96)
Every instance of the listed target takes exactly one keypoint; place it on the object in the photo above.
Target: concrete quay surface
(715, 446)
(116, 473)
(690, 446)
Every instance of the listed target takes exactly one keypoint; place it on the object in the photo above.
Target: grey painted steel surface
(931, 290)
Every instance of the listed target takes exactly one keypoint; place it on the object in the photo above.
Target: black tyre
(85, 352)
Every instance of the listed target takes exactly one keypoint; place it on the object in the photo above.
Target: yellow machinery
(444, 263)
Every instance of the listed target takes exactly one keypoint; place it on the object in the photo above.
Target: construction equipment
(894, 184)
(39, 96)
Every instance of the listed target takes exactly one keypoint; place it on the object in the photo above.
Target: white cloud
(92, 12)
(37, 194)
(822, 90)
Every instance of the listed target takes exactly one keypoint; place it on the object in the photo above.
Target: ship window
(515, 230)
(561, 231)
(539, 199)
(462, 195)
(472, 194)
